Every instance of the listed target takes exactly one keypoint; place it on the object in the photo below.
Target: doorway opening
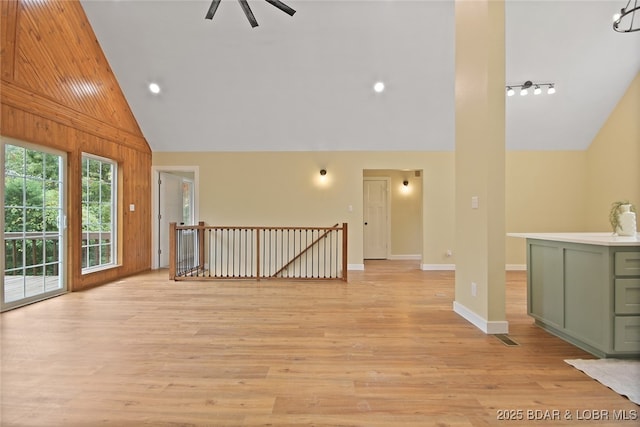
(34, 223)
(392, 214)
(173, 200)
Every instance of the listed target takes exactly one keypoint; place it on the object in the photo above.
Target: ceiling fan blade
(212, 9)
(283, 7)
(248, 13)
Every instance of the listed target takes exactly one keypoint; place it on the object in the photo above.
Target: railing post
(345, 247)
(258, 253)
(172, 251)
(201, 245)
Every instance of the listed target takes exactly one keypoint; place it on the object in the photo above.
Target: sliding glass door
(34, 223)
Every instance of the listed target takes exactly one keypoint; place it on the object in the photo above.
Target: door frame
(155, 204)
(388, 201)
(63, 245)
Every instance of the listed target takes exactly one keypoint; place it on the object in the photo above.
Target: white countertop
(603, 239)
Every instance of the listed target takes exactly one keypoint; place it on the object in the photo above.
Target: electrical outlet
(474, 289)
(448, 253)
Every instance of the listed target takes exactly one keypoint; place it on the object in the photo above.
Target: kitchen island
(585, 288)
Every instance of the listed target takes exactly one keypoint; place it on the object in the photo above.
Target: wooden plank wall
(57, 90)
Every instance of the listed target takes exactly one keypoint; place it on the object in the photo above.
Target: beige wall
(480, 163)
(545, 192)
(284, 188)
(613, 160)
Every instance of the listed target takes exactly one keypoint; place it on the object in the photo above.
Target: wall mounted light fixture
(405, 183)
(323, 172)
(537, 88)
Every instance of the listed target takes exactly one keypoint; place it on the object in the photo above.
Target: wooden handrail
(291, 261)
(241, 227)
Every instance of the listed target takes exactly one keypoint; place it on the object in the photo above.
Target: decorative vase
(627, 220)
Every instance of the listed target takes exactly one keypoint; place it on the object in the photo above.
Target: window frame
(114, 203)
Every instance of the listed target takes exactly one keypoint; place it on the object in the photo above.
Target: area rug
(620, 375)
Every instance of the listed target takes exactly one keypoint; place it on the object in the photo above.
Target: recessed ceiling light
(378, 87)
(154, 88)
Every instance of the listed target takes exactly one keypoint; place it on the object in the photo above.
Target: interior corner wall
(569, 191)
(613, 160)
(546, 191)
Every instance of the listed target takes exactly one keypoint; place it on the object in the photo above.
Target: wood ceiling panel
(8, 10)
(57, 55)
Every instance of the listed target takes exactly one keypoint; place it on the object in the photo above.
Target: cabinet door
(627, 264)
(588, 294)
(546, 293)
(627, 334)
(627, 296)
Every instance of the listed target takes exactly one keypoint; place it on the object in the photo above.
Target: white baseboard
(438, 267)
(486, 326)
(452, 267)
(355, 267)
(405, 257)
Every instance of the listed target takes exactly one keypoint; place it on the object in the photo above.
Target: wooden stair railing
(291, 261)
(230, 252)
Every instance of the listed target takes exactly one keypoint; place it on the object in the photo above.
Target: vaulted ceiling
(306, 82)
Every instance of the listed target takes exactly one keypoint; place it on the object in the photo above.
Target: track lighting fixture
(626, 18)
(537, 88)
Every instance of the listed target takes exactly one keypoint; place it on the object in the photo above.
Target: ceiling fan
(247, 10)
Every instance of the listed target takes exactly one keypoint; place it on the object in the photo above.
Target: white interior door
(376, 218)
(170, 197)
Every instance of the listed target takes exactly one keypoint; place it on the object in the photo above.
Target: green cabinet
(587, 294)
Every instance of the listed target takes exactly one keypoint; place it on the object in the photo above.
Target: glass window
(99, 184)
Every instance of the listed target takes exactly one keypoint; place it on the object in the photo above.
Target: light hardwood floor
(385, 349)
